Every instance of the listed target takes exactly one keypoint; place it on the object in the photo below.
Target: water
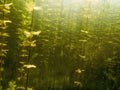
(59, 45)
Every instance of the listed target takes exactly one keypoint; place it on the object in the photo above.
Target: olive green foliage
(4, 11)
(12, 85)
(61, 44)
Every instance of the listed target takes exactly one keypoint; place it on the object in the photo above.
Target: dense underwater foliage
(59, 45)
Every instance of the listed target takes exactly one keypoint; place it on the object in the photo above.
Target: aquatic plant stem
(29, 49)
(1, 48)
(27, 73)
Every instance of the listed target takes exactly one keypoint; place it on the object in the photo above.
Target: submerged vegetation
(4, 10)
(59, 45)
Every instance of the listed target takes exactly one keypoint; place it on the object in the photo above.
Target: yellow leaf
(83, 31)
(27, 34)
(7, 21)
(4, 34)
(79, 71)
(24, 55)
(3, 44)
(83, 40)
(36, 33)
(32, 44)
(29, 66)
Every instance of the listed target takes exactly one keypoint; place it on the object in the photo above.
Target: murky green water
(59, 45)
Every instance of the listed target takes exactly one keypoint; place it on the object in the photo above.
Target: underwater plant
(4, 10)
(27, 42)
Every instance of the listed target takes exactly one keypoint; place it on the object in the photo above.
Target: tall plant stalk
(5, 8)
(29, 49)
(28, 43)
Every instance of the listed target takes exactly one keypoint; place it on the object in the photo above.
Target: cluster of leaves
(12, 85)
